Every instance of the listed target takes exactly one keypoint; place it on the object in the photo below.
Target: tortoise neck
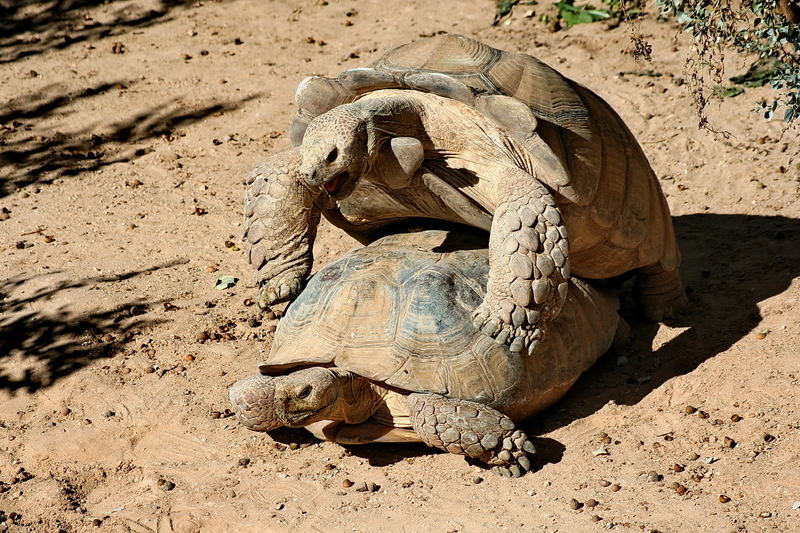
(358, 399)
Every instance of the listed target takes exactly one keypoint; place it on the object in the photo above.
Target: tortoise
(452, 129)
(381, 347)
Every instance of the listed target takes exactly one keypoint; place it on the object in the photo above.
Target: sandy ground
(125, 131)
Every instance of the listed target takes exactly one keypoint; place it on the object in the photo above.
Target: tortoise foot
(472, 429)
(283, 288)
(517, 338)
(659, 293)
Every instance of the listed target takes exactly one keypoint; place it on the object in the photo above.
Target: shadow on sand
(28, 158)
(40, 345)
(730, 264)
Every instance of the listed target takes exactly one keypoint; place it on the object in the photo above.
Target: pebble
(694, 457)
(796, 506)
(244, 461)
(293, 445)
(65, 411)
(575, 504)
(602, 450)
(765, 514)
(604, 483)
(723, 498)
(653, 476)
(729, 442)
(681, 490)
(768, 438)
(591, 503)
(347, 483)
(677, 468)
(278, 506)
(595, 518)
(202, 336)
(86, 421)
(215, 414)
(477, 480)
(109, 414)
(736, 418)
(362, 487)
(690, 409)
(615, 487)
(702, 414)
(188, 357)
(97, 522)
(253, 322)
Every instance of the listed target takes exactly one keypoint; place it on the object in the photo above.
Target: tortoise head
(306, 396)
(336, 151)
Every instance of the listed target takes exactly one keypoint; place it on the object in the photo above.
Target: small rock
(189, 357)
(575, 504)
(729, 442)
(690, 409)
(595, 518)
(723, 498)
(362, 487)
(710, 460)
(615, 487)
(202, 336)
(702, 414)
(244, 461)
(253, 322)
(591, 503)
(602, 450)
(604, 483)
(65, 411)
(279, 506)
(477, 480)
(768, 438)
(215, 414)
(347, 483)
(765, 514)
(796, 506)
(97, 522)
(677, 468)
(653, 476)
(694, 456)
(109, 414)
(293, 445)
(680, 489)
(736, 418)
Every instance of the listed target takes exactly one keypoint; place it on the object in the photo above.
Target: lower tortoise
(381, 347)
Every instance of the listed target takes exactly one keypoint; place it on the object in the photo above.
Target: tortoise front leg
(528, 263)
(280, 223)
(471, 429)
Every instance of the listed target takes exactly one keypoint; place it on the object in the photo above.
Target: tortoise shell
(399, 312)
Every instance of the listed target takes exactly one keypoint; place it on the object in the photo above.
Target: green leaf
(727, 92)
(572, 15)
(225, 282)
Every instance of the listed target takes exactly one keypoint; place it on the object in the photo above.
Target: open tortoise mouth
(335, 186)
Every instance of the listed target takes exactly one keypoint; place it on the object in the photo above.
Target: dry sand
(125, 131)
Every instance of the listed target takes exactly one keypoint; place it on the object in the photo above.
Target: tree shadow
(730, 264)
(32, 27)
(39, 346)
(29, 158)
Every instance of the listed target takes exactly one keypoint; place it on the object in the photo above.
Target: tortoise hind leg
(659, 292)
(472, 429)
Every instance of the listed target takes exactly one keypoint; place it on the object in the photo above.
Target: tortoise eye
(305, 392)
(332, 155)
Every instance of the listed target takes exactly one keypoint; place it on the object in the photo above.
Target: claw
(516, 345)
(529, 447)
(516, 471)
(491, 328)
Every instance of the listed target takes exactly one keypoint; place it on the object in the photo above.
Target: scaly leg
(528, 263)
(471, 429)
(280, 223)
(659, 292)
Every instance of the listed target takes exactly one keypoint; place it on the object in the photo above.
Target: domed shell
(399, 312)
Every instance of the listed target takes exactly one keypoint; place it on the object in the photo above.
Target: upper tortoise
(452, 129)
